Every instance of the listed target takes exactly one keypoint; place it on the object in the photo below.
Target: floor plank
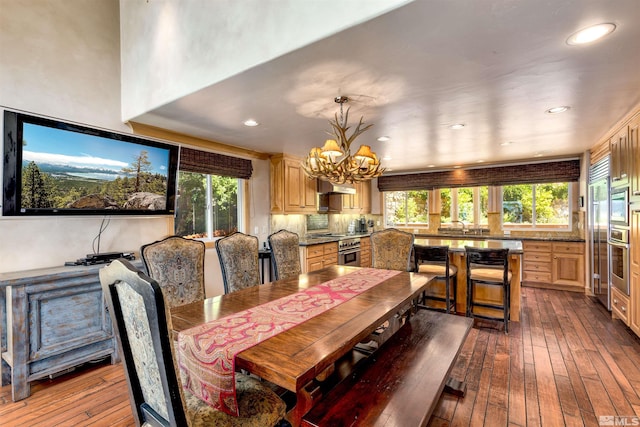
(566, 363)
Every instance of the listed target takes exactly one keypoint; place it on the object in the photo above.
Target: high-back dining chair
(285, 254)
(488, 267)
(177, 264)
(435, 260)
(138, 313)
(238, 254)
(391, 249)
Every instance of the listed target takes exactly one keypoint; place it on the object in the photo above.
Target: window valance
(214, 164)
(532, 173)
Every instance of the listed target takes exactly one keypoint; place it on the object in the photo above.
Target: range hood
(325, 187)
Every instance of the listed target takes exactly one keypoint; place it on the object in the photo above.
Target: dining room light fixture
(334, 161)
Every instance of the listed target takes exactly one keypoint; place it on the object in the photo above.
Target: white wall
(198, 43)
(62, 60)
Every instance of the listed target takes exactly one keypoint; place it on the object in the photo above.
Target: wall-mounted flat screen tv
(56, 168)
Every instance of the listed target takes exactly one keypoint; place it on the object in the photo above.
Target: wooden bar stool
(435, 260)
(488, 267)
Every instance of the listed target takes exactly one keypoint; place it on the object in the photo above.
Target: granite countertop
(498, 237)
(469, 238)
(457, 245)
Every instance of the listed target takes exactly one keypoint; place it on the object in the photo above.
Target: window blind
(533, 173)
(214, 164)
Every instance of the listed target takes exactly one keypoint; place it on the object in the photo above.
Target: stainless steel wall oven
(619, 258)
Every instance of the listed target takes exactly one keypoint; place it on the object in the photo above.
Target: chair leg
(447, 296)
(469, 297)
(454, 280)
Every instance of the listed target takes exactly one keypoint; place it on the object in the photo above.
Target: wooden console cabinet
(51, 320)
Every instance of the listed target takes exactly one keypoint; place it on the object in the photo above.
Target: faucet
(464, 226)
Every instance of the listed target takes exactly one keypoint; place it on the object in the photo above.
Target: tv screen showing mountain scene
(64, 170)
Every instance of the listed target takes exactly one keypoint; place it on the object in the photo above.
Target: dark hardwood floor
(566, 363)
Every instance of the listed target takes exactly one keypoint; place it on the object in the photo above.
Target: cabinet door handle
(615, 301)
(623, 175)
(636, 193)
(623, 308)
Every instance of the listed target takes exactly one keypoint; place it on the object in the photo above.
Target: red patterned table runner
(206, 353)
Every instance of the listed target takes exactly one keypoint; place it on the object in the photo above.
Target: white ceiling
(494, 65)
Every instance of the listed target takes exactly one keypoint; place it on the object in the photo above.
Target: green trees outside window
(207, 205)
(534, 205)
(406, 207)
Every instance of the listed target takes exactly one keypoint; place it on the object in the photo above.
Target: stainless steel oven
(619, 258)
(349, 252)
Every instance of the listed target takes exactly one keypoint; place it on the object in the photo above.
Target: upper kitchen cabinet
(634, 146)
(291, 189)
(359, 203)
(620, 158)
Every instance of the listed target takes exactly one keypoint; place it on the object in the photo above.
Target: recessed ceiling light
(251, 123)
(556, 110)
(384, 138)
(590, 34)
(457, 167)
(538, 155)
(480, 161)
(457, 126)
(431, 166)
(387, 158)
(504, 144)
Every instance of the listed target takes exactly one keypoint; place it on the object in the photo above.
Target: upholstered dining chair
(177, 264)
(238, 254)
(138, 312)
(285, 254)
(391, 249)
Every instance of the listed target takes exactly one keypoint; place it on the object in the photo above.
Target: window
(207, 205)
(406, 208)
(469, 205)
(536, 205)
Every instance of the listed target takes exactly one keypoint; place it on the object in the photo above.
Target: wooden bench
(399, 384)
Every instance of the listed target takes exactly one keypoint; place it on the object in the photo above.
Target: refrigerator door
(599, 196)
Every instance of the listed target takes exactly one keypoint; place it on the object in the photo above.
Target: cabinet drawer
(330, 259)
(544, 267)
(315, 251)
(536, 246)
(330, 248)
(535, 276)
(619, 305)
(537, 257)
(568, 248)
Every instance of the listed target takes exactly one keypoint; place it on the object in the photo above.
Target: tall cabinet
(291, 189)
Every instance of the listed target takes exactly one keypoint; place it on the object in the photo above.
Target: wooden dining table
(293, 359)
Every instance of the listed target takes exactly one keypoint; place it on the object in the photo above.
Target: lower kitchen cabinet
(619, 305)
(365, 252)
(316, 257)
(634, 303)
(554, 265)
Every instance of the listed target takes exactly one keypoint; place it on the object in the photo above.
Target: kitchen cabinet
(291, 189)
(634, 266)
(619, 305)
(620, 158)
(634, 147)
(359, 203)
(316, 257)
(365, 252)
(554, 265)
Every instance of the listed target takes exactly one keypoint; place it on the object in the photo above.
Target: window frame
(209, 205)
(406, 207)
(534, 226)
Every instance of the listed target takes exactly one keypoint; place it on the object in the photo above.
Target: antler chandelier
(334, 162)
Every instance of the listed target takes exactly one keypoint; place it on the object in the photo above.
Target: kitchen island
(492, 294)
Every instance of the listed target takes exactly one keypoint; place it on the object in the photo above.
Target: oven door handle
(618, 244)
(349, 252)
